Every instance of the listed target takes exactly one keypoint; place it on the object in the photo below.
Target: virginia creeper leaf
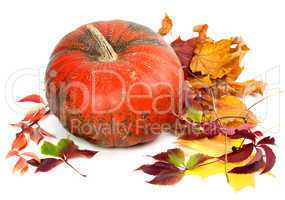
(195, 160)
(240, 154)
(270, 158)
(48, 164)
(250, 168)
(267, 140)
(157, 167)
(49, 149)
(167, 178)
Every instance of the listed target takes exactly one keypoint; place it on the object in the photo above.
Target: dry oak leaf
(166, 26)
(200, 82)
(220, 58)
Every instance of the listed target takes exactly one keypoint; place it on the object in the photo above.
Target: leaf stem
(74, 169)
(226, 135)
(226, 117)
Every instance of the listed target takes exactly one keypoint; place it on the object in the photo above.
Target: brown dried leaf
(166, 26)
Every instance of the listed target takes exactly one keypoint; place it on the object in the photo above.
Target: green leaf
(194, 114)
(193, 161)
(63, 143)
(49, 149)
(175, 160)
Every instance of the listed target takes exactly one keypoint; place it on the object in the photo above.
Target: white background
(31, 29)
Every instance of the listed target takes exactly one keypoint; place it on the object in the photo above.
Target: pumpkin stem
(105, 50)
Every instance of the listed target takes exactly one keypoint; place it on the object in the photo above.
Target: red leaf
(32, 98)
(167, 178)
(270, 158)
(20, 142)
(258, 155)
(266, 140)
(164, 156)
(24, 169)
(21, 125)
(20, 164)
(83, 153)
(29, 115)
(35, 135)
(250, 168)
(157, 168)
(72, 151)
(34, 162)
(31, 155)
(240, 154)
(45, 133)
(247, 134)
(47, 164)
(38, 115)
(258, 133)
(12, 153)
(184, 50)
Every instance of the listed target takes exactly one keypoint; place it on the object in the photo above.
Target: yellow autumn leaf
(214, 147)
(220, 58)
(166, 25)
(236, 181)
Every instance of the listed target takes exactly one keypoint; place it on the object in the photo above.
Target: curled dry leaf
(166, 26)
(218, 59)
(250, 87)
(184, 50)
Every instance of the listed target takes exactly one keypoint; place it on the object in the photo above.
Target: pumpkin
(114, 83)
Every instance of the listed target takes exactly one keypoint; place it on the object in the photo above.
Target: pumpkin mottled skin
(143, 56)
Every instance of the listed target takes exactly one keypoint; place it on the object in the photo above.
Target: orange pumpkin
(114, 83)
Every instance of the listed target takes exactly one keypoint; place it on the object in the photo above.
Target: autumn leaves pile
(216, 124)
